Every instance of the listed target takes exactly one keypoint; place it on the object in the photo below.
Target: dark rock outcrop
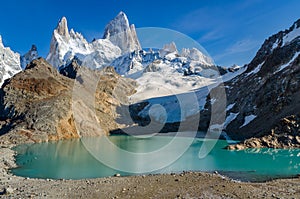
(71, 69)
(267, 92)
(286, 134)
(269, 89)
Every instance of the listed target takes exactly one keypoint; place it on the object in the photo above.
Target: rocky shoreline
(285, 135)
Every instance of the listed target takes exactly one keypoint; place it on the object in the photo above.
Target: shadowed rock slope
(267, 95)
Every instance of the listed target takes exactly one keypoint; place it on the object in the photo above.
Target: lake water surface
(71, 159)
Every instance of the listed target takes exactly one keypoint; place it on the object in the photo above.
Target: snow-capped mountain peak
(62, 27)
(195, 55)
(9, 62)
(67, 45)
(169, 49)
(118, 25)
(121, 34)
(31, 55)
(119, 38)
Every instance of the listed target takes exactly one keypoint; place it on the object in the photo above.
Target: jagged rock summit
(65, 45)
(9, 62)
(62, 27)
(120, 48)
(119, 38)
(31, 55)
(168, 49)
(122, 34)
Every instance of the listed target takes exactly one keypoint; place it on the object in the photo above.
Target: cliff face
(37, 104)
(269, 90)
(266, 94)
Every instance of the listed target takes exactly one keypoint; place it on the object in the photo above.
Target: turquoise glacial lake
(127, 155)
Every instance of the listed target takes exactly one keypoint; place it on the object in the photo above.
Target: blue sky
(231, 31)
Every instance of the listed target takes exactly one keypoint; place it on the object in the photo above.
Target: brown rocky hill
(37, 104)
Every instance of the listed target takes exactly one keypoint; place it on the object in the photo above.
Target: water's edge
(242, 175)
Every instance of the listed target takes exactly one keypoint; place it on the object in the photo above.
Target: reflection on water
(70, 159)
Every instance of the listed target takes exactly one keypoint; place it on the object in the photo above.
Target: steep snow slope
(172, 97)
(9, 62)
(168, 72)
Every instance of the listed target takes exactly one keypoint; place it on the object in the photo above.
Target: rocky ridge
(36, 104)
(273, 78)
(266, 93)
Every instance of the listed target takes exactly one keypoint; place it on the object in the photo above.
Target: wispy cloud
(211, 35)
(242, 46)
(226, 31)
(204, 20)
(239, 47)
(216, 22)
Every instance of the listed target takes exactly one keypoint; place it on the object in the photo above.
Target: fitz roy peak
(9, 62)
(119, 38)
(121, 34)
(120, 48)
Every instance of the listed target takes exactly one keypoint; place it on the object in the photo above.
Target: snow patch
(287, 64)
(256, 70)
(275, 45)
(230, 106)
(230, 118)
(229, 76)
(248, 119)
(291, 36)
